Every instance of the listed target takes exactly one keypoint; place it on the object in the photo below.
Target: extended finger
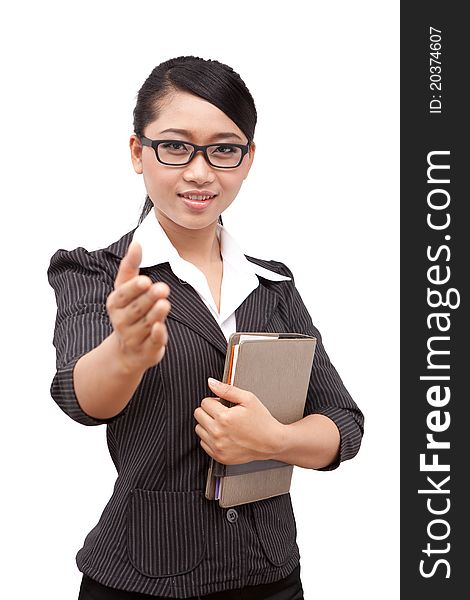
(129, 265)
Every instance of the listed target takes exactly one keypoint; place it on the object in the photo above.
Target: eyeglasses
(178, 153)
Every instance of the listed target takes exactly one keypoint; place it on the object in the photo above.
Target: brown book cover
(276, 367)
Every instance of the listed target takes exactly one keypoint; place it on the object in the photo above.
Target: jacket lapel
(255, 313)
(188, 308)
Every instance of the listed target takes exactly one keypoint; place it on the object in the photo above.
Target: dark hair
(212, 80)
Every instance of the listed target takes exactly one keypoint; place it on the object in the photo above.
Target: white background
(324, 77)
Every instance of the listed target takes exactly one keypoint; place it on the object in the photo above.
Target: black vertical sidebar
(435, 268)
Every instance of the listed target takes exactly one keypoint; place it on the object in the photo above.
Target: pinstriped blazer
(158, 534)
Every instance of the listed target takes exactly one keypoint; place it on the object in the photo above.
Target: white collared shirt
(239, 277)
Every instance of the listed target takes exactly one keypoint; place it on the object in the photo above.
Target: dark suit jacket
(158, 534)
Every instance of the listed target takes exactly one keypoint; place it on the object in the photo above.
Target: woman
(141, 326)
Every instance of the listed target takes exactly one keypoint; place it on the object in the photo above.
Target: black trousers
(289, 588)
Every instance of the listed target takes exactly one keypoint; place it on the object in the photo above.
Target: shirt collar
(157, 248)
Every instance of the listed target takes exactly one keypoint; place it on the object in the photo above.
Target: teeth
(191, 197)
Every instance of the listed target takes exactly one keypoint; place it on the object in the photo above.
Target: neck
(198, 246)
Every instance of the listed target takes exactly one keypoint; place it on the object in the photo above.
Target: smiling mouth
(198, 197)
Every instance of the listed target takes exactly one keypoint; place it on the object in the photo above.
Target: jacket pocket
(166, 531)
(276, 527)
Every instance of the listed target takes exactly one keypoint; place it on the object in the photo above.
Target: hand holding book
(237, 434)
(270, 369)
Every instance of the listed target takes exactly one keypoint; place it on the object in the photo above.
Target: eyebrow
(217, 136)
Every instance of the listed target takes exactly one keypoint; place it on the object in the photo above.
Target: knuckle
(147, 325)
(135, 309)
(118, 295)
(217, 445)
(110, 300)
(223, 418)
(118, 321)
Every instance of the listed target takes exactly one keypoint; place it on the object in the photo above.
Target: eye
(226, 149)
(174, 146)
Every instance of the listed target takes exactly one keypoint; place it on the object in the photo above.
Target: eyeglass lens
(219, 155)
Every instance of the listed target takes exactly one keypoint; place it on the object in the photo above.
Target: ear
(251, 156)
(136, 153)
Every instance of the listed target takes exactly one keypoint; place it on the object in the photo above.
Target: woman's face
(201, 123)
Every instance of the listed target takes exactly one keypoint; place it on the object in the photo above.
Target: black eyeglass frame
(145, 141)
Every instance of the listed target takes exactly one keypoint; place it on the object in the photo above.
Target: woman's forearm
(103, 384)
(312, 443)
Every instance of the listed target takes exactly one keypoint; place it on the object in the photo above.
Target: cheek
(233, 184)
(232, 181)
(160, 181)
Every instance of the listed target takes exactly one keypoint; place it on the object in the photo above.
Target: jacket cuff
(349, 430)
(63, 392)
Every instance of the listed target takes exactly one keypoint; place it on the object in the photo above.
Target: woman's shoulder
(103, 260)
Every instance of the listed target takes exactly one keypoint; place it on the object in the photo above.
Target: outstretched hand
(138, 309)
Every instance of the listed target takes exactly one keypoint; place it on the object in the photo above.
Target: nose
(199, 169)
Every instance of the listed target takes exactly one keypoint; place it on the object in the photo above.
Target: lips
(197, 195)
(196, 205)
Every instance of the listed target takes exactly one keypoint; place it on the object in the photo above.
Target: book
(276, 367)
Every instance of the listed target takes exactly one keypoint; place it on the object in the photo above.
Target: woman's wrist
(125, 366)
(312, 442)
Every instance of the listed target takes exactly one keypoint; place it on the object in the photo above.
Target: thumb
(129, 265)
(226, 391)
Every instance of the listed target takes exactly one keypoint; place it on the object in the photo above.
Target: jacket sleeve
(326, 394)
(81, 285)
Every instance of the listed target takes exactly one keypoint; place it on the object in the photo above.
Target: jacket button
(232, 515)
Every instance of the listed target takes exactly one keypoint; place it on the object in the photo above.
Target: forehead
(200, 118)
